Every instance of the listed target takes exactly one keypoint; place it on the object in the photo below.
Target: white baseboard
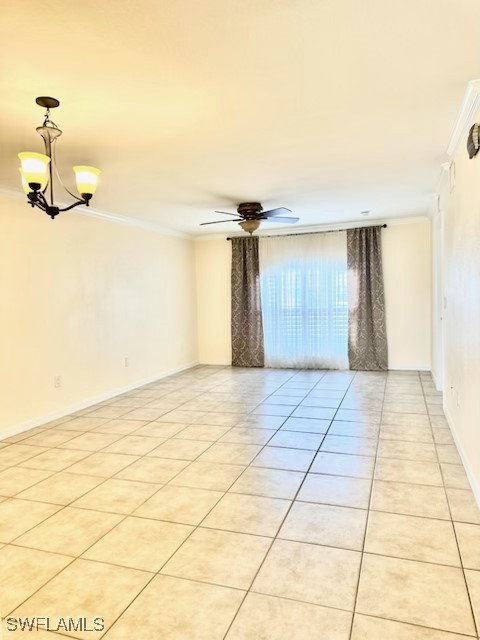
(466, 463)
(212, 363)
(436, 382)
(411, 368)
(54, 415)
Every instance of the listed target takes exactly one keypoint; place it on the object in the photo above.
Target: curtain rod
(310, 233)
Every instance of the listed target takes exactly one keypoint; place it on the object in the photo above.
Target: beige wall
(406, 252)
(79, 295)
(213, 260)
(407, 271)
(461, 313)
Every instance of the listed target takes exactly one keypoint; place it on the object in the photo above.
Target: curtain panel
(367, 336)
(304, 300)
(247, 329)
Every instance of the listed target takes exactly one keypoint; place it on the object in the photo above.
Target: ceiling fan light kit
(249, 226)
(37, 169)
(251, 214)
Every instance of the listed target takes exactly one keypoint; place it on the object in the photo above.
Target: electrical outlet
(127, 362)
(57, 381)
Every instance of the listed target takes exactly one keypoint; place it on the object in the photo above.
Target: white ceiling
(327, 107)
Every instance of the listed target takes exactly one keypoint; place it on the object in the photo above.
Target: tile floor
(246, 505)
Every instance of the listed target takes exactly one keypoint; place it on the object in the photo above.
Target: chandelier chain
(46, 120)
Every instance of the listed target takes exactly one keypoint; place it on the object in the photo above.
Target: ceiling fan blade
(276, 212)
(225, 213)
(220, 222)
(289, 220)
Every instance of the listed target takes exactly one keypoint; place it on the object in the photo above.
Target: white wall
(407, 273)
(79, 295)
(461, 317)
(437, 298)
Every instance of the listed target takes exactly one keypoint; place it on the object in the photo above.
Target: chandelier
(37, 169)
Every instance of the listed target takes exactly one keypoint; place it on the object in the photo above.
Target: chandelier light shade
(34, 167)
(37, 170)
(25, 187)
(87, 178)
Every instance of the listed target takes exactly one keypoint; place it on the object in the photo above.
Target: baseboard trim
(438, 387)
(214, 363)
(412, 368)
(471, 478)
(13, 430)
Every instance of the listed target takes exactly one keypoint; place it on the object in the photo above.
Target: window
(303, 284)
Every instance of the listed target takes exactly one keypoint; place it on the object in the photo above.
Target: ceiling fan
(250, 214)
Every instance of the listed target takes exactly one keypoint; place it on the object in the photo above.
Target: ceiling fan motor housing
(250, 210)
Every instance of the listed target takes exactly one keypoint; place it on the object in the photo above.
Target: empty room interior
(240, 320)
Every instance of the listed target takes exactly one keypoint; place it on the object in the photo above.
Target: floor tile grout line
(114, 476)
(290, 599)
(278, 529)
(134, 431)
(422, 626)
(367, 519)
(303, 501)
(72, 560)
(24, 463)
(477, 630)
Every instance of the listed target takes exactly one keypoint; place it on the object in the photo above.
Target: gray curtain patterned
(367, 337)
(247, 329)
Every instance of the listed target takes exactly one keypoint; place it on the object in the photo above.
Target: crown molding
(470, 104)
(318, 228)
(106, 216)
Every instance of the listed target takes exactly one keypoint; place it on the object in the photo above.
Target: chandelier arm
(40, 205)
(54, 158)
(75, 204)
(41, 199)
